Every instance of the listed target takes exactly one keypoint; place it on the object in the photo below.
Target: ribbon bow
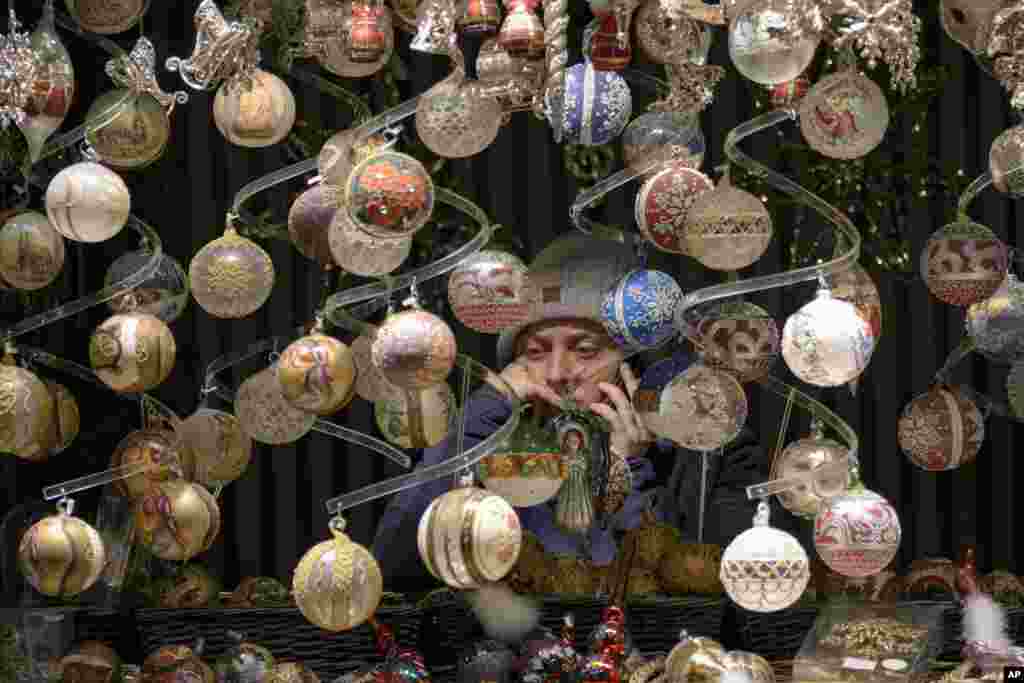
(18, 67)
(137, 72)
(224, 51)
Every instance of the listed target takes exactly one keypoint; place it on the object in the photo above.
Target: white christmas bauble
(765, 569)
(770, 41)
(827, 342)
(857, 533)
(87, 202)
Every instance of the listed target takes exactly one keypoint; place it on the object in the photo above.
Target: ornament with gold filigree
(132, 352)
(61, 555)
(232, 276)
(727, 228)
(62, 429)
(266, 415)
(26, 410)
(107, 17)
(257, 111)
(18, 66)
(740, 337)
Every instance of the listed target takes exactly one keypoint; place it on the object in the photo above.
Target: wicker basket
(773, 635)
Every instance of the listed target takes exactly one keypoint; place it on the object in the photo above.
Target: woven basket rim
(443, 598)
(252, 611)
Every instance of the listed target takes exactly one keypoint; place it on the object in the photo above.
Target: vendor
(562, 350)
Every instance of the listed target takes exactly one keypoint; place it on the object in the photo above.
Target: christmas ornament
(827, 343)
(366, 42)
(963, 263)
(258, 111)
(486, 291)
(106, 17)
(790, 93)
(844, 116)
(232, 276)
(855, 286)
(159, 449)
(309, 221)
(549, 659)
(485, 661)
(177, 520)
(764, 569)
(886, 31)
(469, 537)
(219, 448)
(663, 136)
(773, 41)
(807, 455)
(575, 508)
(857, 533)
(52, 87)
(31, 251)
(192, 587)
(414, 349)
(26, 411)
(997, 324)
(258, 591)
(389, 195)
(739, 337)
(87, 202)
(702, 409)
(456, 119)
(1006, 161)
(290, 672)
(366, 39)
(132, 352)
(317, 374)
(689, 653)
(647, 399)
(90, 662)
(417, 419)
(20, 64)
(64, 426)
(342, 152)
(663, 205)
(610, 48)
(164, 294)
(932, 579)
(522, 33)
(528, 469)
(371, 385)
(172, 663)
(1001, 584)
(941, 429)
(266, 415)
(667, 37)
(727, 228)
(969, 22)
(60, 555)
(435, 27)
(480, 18)
(640, 312)
(337, 583)
(494, 65)
(593, 106)
(361, 253)
(691, 568)
(244, 662)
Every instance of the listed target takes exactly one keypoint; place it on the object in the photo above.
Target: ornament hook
(764, 514)
(66, 506)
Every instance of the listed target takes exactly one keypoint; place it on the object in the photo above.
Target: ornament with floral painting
(941, 430)
(964, 263)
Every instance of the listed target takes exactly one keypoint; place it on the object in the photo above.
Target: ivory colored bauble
(663, 205)
(414, 349)
(844, 116)
(941, 429)
(162, 450)
(360, 253)
(163, 294)
(389, 195)
(455, 119)
(317, 374)
(804, 456)
(667, 39)
(231, 277)
(703, 409)
(659, 136)
(640, 312)
(595, 108)
(997, 324)
(135, 130)
(647, 401)
(31, 251)
(486, 291)
(337, 584)
(220, 449)
(1006, 161)
(61, 556)
(855, 286)
(857, 533)
(106, 17)
(765, 569)
(87, 202)
(290, 672)
(26, 411)
(177, 520)
(340, 154)
(417, 419)
(827, 343)
(964, 263)
(63, 428)
(768, 44)
(337, 59)
(754, 668)
(469, 537)
(739, 337)
(132, 352)
(727, 228)
(256, 113)
(266, 415)
(309, 221)
(968, 22)
(371, 385)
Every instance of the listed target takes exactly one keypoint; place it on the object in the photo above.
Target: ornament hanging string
(977, 186)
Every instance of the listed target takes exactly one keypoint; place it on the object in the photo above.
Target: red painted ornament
(610, 47)
(367, 41)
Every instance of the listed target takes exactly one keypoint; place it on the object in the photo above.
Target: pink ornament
(857, 533)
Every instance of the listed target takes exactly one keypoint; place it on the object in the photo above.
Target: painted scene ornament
(739, 337)
(844, 116)
(132, 352)
(703, 408)
(389, 195)
(827, 343)
(258, 111)
(232, 276)
(87, 202)
(857, 533)
(727, 228)
(416, 419)
(317, 374)
(31, 251)
(941, 430)
(639, 313)
(486, 291)
(61, 555)
(414, 349)
(134, 137)
(266, 415)
(997, 324)
(964, 263)
(663, 205)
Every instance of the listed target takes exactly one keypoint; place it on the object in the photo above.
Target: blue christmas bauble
(639, 313)
(595, 107)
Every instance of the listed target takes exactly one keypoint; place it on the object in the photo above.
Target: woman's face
(567, 355)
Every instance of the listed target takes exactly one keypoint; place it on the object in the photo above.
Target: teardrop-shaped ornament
(52, 88)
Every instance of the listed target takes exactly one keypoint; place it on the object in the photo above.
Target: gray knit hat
(569, 279)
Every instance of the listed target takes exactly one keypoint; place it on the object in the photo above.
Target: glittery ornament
(371, 385)
(667, 38)
(338, 56)
(164, 294)
(172, 663)
(997, 324)
(159, 449)
(232, 276)
(244, 662)
(857, 533)
(63, 428)
(414, 349)
(803, 456)
(266, 415)
(90, 662)
(663, 136)
(773, 41)
(727, 228)
(132, 352)
(855, 286)
(317, 374)
(416, 419)
(309, 221)
(640, 312)
(522, 33)
(389, 195)
(52, 87)
(219, 448)
(647, 399)
(254, 112)
(19, 63)
(844, 116)
(827, 342)
(486, 291)
(663, 205)
(765, 569)
(361, 253)
(134, 137)
(26, 411)
(342, 152)
(687, 653)
(1006, 161)
(456, 119)
(177, 520)
(87, 202)
(879, 31)
(469, 537)
(494, 64)
(702, 409)
(964, 263)
(290, 672)
(969, 22)
(593, 106)
(337, 584)
(31, 251)
(61, 555)
(941, 429)
(106, 17)
(739, 337)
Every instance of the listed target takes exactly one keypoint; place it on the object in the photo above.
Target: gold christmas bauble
(107, 17)
(26, 412)
(690, 650)
(266, 415)
(134, 137)
(317, 374)
(341, 153)
(290, 672)
(337, 584)
(416, 419)
(231, 277)
(361, 253)
(727, 228)
(371, 385)
(414, 349)
(87, 202)
(63, 428)
(61, 556)
(132, 352)
(162, 450)
(218, 447)
(177, 520)
(456, 119)
(663, 205)
(31, 251)
(257, 112)
(309, 221)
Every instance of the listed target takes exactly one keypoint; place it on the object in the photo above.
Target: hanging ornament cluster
(941, 429)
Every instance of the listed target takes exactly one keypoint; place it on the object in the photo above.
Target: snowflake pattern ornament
(640, 312)
(941, 430)
(664, 202)
(18, 67)
(886, 30)
(857, 533)
(595, 106)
